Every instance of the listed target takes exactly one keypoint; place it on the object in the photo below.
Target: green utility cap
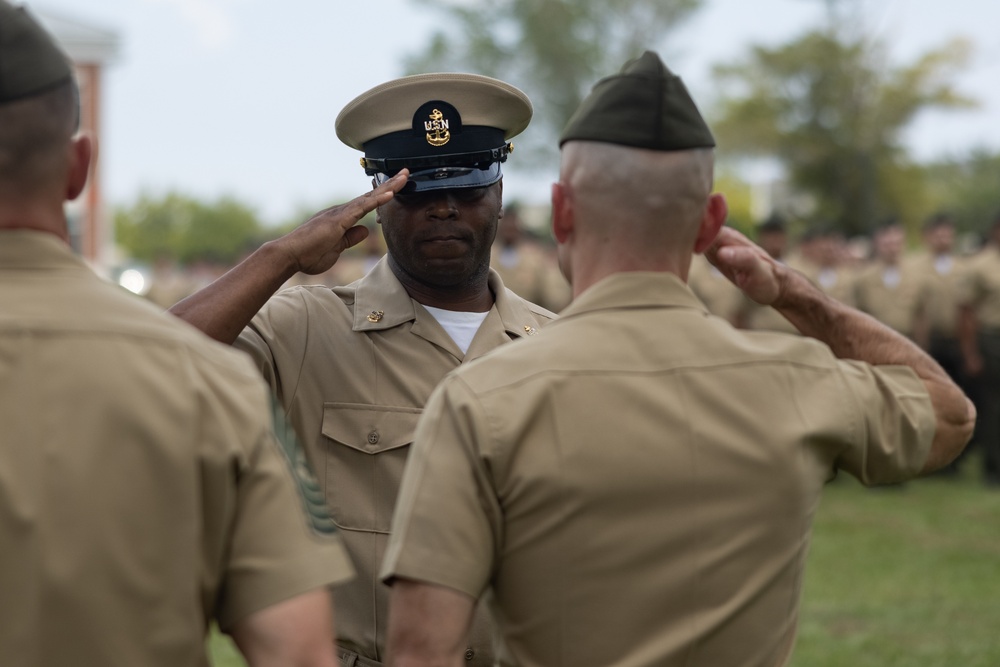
(30, 61)
(643, 106)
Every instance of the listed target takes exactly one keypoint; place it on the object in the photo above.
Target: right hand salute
(316, 245)
(747, 266)
(225, 307)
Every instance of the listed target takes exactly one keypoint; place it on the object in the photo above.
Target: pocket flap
(370, 428)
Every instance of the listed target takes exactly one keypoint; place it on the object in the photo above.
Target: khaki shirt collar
(32, 249)
(634, 289)
(381, 302)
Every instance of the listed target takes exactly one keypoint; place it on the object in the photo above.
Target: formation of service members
(353, 366)
(630, 483)
(143, 493)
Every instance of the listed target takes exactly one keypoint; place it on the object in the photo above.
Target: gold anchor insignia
(438, 133)
(530, 330)
(375, 315)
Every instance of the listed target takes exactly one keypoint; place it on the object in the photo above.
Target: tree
(832, 111)
(554, 50)
(966, 187)
(186, 230)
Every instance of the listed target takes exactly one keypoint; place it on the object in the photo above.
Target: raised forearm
(851, 334)
(225, 307)
(848, 332)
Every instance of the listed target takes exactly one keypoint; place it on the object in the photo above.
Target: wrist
(278, 259)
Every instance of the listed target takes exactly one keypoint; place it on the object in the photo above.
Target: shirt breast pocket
(366, 450)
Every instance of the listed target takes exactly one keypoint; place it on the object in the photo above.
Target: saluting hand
(748, 266)
(316, 245)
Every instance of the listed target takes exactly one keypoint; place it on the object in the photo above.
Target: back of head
(39, 105)
(637, 154)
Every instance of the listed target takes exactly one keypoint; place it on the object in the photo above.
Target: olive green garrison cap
(643, 106)
(30, 61)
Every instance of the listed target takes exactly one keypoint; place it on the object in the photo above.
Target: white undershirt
(460, 325)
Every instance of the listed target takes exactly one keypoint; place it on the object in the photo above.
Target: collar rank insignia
(530, 330)
(376, 315)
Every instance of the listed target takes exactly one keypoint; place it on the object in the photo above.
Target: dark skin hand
(225, 307)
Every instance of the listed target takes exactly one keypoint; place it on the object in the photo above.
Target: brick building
(91, 48)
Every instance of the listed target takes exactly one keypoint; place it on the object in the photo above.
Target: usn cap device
(451, 130)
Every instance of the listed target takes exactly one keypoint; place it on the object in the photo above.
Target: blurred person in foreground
(353, 366)
(637, 483)
(937, 332)
(143, 494)
(979, 338)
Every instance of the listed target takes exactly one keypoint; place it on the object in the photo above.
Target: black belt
(352, 659)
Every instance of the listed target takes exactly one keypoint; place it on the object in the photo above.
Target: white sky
(239, 97)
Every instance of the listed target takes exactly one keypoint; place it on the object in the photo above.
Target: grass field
(900, 577)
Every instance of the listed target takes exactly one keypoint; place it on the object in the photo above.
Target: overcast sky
(239, 97)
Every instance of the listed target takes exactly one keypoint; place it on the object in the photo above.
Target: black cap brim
(443, 178)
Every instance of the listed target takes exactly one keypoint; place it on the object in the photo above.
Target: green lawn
(899, 577)
(907, 576)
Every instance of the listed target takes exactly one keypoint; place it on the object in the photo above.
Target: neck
(37, 216)
(471, 296)
(591, 268)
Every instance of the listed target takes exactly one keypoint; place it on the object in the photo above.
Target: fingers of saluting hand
(316, 244)
(746, 265)
(349, 214)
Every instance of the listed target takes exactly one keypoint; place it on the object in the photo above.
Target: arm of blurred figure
(849, 333)
(428, 625)
(968, 340)
(295, 633)
(225, 307)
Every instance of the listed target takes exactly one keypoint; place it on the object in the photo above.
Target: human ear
(562, 212)
(81, 150)
(716, 211)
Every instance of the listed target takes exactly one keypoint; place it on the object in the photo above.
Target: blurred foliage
(966, 187)
(739, 197)
(832, 110)
(186, 230)
(554, 50)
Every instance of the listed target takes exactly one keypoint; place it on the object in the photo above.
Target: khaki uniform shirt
(644, 495)
(353, 367)
(942, 275)
(835, 281)
(142, 491)
(892, 295)
(980, 287)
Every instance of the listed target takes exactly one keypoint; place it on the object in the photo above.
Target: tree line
(828, 107)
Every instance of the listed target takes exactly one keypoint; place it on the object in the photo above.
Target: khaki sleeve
(278, 331)
(283, 542)
(446, 528)
(892, 438)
